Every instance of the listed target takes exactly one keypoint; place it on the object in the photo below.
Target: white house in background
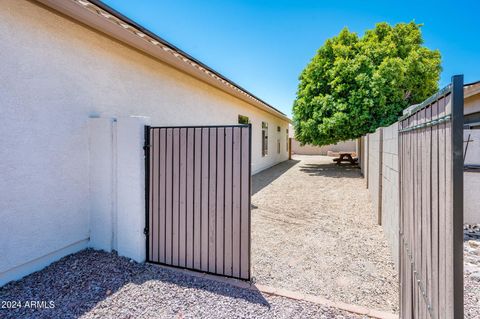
(79, 82)
(297, 148)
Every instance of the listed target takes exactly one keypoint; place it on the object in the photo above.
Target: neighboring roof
(471, 89)
(101, 17)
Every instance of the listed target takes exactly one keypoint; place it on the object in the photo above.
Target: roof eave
(100, 17)
(471, 89)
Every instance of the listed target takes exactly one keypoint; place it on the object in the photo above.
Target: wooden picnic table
(345, 157)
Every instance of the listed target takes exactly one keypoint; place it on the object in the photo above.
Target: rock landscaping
(94, 284)
(471, 255)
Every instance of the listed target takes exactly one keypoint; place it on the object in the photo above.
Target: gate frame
(146, 231)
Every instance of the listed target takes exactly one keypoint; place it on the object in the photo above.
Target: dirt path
(313, 230)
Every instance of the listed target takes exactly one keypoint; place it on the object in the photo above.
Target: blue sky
(263, 45)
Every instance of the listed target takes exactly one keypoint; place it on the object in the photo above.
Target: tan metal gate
(198, 198)
(431, 206)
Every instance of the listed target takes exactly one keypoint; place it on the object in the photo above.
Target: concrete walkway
(314, 231)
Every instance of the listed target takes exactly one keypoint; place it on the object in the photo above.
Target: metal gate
(198, 198)
(431, 206)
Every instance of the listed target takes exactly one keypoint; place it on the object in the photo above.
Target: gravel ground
(313, 230)
(93, 284)
(471, 252)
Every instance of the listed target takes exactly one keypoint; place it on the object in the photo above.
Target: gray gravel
(93, 284)
(314, 231)
(471, 252)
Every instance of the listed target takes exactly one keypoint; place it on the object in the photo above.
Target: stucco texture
(56, 73)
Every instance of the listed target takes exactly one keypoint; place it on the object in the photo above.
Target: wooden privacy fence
(431, 206)
(198, 198)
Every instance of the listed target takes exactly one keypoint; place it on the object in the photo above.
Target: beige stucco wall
(56, 73)
(347, 146)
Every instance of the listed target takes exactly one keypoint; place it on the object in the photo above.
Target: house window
(264, 138)
(242, 119)
(278, 129)
(286, 140)
(278, 146)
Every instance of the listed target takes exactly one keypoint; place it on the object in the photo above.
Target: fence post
(457, 196)
(289, 148)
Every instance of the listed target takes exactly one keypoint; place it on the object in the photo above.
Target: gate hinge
(146, 148)
(145, 231)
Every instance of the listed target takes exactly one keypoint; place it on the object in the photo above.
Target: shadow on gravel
(77, 283)
(177, 277)
(332, 170)
(266, 177)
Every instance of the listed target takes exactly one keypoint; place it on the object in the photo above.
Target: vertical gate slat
(408, 228)
(220, 209)
(190, 197)
(245, 204)
(428, 175)
(176, 196)
(155, 188)
(423, 214)
(449, 212)
(197, 207)
(228, 201)
(435, 221)
(168, 196)
(153, 235)
(160, 225)
(236, 202)
(182, 227)
(407, 204)
(442, 212)
(204, 199)
(212, 198)
(162, 145)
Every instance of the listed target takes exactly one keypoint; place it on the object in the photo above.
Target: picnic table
(345, 157)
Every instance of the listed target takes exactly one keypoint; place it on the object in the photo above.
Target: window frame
(264, 139)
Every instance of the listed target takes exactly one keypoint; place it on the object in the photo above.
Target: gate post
(457, 196)
(130, 221)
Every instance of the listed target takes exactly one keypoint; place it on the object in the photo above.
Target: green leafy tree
(355, 84)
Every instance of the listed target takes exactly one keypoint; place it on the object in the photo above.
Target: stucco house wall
(55, 74)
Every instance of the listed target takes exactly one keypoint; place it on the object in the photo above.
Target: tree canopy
(353, 85)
